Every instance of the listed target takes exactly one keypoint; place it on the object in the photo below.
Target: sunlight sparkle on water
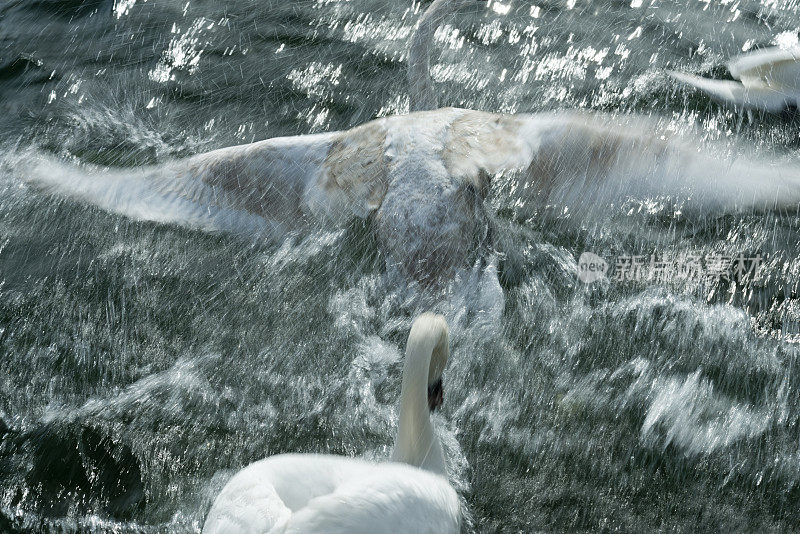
(183, 52)
(315, 78)
(122, 7)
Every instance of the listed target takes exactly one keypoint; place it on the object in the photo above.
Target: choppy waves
(142, 363)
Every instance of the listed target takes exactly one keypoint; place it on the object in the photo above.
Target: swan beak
(435, 395)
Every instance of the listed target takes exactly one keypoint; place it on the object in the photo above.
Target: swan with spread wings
(423, 177)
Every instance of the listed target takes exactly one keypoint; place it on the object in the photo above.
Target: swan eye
(435, 395)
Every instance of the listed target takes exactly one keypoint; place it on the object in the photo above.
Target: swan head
(437, 328)
(435, 395)
(431, 330)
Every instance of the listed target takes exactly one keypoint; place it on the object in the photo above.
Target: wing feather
(302, 493)
(272, 185)
(388, 498)
(774, 67)
(584, 161)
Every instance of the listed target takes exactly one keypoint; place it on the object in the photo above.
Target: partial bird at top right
(768, 80)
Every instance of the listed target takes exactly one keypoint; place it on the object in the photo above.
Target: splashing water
(144, 363)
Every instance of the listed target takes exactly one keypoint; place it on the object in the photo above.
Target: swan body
(768, 79)
(326, 494)
(305, 493)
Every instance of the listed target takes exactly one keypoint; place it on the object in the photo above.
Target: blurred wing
(774, 67)
(586, 161)
(270, 185)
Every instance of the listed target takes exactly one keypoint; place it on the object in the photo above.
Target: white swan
(423, 177)
(325, 494)
(769, 80)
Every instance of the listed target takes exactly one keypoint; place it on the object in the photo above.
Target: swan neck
(421, 90)
(416, 441)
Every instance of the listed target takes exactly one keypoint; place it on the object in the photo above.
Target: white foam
(696, 419)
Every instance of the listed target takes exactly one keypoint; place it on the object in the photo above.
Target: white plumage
(423, 177)
(307, 493)
(324, 494)
(769, 80)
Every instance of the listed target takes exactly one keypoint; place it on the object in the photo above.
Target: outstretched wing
(585, 161)
(774, 67)
(272, 185)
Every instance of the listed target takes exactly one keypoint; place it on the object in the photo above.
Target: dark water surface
(142, 364)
